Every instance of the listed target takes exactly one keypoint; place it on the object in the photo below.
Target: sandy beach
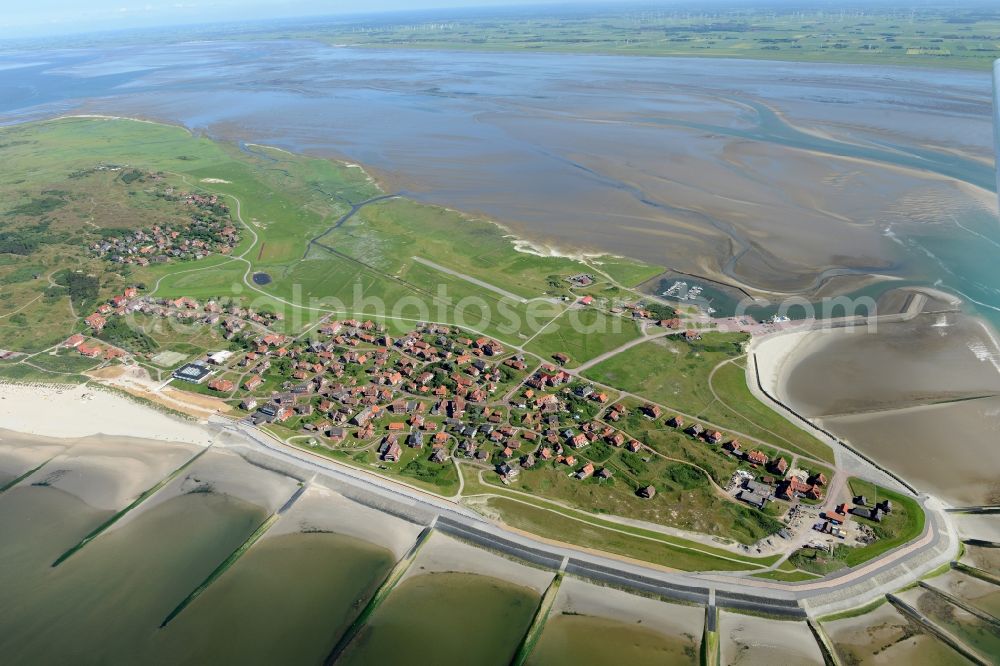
(79, 411)
(750, 641)
(579, 597)
(323, 509)
(442, 554)
(774, 355)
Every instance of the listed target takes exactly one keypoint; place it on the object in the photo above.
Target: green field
(966, 35)
(638, 544)
(583, 334)
(61, 189)
(679, 374)
(685, 499)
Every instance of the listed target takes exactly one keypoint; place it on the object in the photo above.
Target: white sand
(79, 411)
(442, 553)
(747, 640)
(774, 352)
(673, 620)
(320, 508)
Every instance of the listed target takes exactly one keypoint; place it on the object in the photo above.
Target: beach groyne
(976, 572)
(710, 644)
(106, 525)
(931, 628)
(964, 605)
(830, 657)
(235, 555)
(537, 623)
(383, 591)
(13, 482)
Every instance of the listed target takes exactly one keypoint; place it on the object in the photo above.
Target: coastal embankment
(253, 468)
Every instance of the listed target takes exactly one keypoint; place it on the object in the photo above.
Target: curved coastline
(846, 589)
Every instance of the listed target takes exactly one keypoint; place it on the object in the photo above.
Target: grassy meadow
(704, 378)
(965, 36)
(61, 189)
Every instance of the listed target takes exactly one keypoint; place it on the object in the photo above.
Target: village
(210, 231)
(415, 405)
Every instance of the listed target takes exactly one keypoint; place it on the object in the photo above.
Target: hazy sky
(24, 18)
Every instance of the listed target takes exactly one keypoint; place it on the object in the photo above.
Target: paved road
(469, 278)
(583, 367)
(852, 588)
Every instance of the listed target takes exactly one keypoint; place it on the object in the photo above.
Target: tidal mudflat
(290, 597)
(476, 604)
(885, 637)
(108, 600)
(977, 593)
(592, 624)
(933, 358)
(287, 600)
(977, 526)
(897, 393)
(608, 153)
(982, 557)
(747, 640)
(18, 457)
(980, 636)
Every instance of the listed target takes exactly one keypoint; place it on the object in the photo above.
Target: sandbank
(579, 597)
(323, 509)
(224, 472)
(20, 453)
(748, 641)
(109, 472)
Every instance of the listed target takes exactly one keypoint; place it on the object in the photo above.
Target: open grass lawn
(583, 334)
(413, 468)
(390, 233)
(670, 370)
(625, 272)
(65, 362)
(795, 576)
(20, 372)
(629, 542)
(730, 383)
(678, 374)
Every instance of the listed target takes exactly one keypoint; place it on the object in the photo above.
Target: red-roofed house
(91, 351)
(96, 322)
